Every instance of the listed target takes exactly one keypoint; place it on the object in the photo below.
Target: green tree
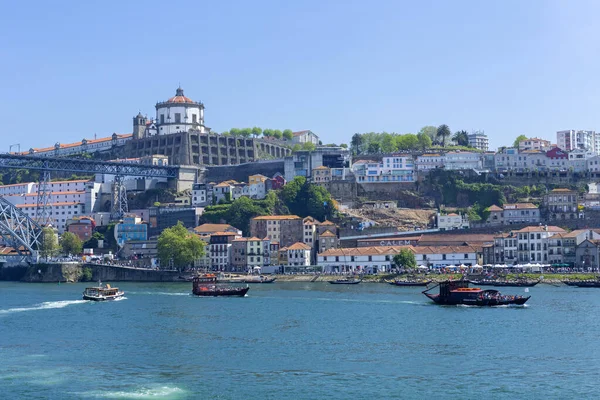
(425, 141)
(405, 259)
(70, 243)
(389, 143)
(407, 142)
(374, 148)
(343, 145)
(49, 244)
(356, 144)
(461, 138)
(304, 198)
(256, 131)
(235, 132)
(277, 134)
(443, 133)
(92, 242)
(287, 134)
(309, 146)
(267, 132)
(430, 131)
(518, 139)
(178, 247)
(225, 133)
(246, 132)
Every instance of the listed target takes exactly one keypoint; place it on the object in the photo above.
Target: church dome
(179, 97)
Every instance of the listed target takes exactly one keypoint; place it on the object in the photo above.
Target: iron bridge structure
(24, 234)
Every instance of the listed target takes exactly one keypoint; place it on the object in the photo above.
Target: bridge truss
(118, 169)
(19, 231)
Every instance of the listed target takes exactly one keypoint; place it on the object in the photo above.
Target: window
(162, 119)
(194, 119)
(443, 256)
(466, 256)
(177, 118)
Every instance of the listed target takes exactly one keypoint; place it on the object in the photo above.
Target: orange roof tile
(299, 246)
(542, 229)
(327, 233)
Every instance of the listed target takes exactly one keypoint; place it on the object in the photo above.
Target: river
(294, 341)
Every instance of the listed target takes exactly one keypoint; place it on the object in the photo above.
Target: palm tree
(461, 138)
(443, 132)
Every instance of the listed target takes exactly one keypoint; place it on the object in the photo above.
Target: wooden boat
(409, 283)
(459, 292)
(588, 283)
(502, 283)
(346, 281)
(206, 286)
(259, 279)
(102, 293)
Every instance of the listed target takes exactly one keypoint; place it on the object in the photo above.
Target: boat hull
(401, 283)
(103, 298)
(345, 282)
(506, 301)
(583, 284)
(260, 281)
(231, 292)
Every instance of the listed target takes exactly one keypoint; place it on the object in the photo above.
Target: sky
(74, 69)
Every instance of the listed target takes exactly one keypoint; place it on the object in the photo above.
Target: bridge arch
(19, 230)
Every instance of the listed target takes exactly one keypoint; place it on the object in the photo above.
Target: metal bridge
(21, 232)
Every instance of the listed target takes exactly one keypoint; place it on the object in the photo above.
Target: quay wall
(73, 272)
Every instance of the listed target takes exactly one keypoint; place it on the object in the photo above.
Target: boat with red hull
(459, 293)
(206, 286)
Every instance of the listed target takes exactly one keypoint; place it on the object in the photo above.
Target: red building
(276, 182)
(83, 228)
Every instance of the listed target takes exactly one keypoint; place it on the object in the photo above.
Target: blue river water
(294, 341)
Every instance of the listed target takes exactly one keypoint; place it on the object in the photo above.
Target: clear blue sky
(74, 69)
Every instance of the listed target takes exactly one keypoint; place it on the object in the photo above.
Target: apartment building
(533, 245)
(284, 229)
(396, 168)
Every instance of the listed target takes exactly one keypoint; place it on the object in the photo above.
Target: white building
(256, 186)
(428, 162)
(16, 189)
(60, 214)
(298, 254)
(305, 137)
(452, 221)
(84, 146)
(533, 243)
(572, 139)
(534, 144)
(479, 140)
(396, 168)
(462, 160)
(593, 164)
(578, 159)
(309, 231)
(179, 114)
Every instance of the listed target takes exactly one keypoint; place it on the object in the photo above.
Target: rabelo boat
(206, 286)
(346, 281)
(409, 283)
(459, 292)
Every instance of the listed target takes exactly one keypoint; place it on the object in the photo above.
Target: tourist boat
(459, 292)
(102, 293)
(502, 283)
(409, 283)
(346, 281)
(206, 286)
(259, 279)
(586, 283)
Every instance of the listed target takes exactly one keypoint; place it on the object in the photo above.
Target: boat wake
(142, 393)
(43, 306)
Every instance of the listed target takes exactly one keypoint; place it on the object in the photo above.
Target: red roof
(180, 98)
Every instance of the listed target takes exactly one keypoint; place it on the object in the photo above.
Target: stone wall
(71, 272)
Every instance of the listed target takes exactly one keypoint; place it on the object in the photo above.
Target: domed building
(178, 114)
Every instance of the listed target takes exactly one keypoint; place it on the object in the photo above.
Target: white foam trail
(43, 306)
(143, 393)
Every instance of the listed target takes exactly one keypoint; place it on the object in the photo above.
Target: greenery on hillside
(256, 132)
(429, 137)
(299, 197)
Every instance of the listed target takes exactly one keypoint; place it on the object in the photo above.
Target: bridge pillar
(119, 199)
(43, 211)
